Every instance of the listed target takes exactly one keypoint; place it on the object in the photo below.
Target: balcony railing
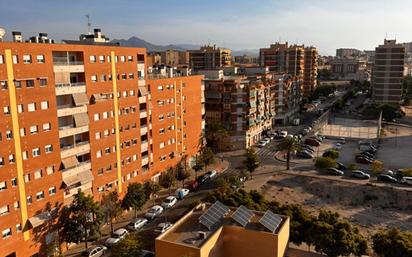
(62, 85)
(65, 61)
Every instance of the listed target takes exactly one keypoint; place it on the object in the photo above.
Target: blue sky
(237, 24)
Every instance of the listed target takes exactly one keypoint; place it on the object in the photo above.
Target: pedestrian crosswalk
(265, 153)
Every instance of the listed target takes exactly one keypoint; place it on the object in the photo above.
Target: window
(162, 145)
(44, 105)
(100, 171)
(29, 83)
(161, 117)
(3, 185)
(99, 154)
(130, 58)
(6, 110)
(50, 170)
(52, 190)
(26, 59)
(96, 117)
(92, 58)
(46, 127)
(37, 174)
(15, 59)
(31, 107)
(4, 210)
(17, 84)
(101, 58)
(43, 82)
(1, 161)
(94, 78)
(162, 158)
(1, 59)
(160, 88)
(40, 59)
(105, 115)
(4, 85)
(35, 152)
(97, 135)
(48, 149)
(16, 204)
(106, 132)
(19, 228)
(131, 92)
(29, 199)
(25, 155)
(6, 233)
(9, 135)
(33, 129)
(27, 178)
(160, 102)
(122, 58)
(103, 77)
(14, 182)
(39, 196)
(20, 108)
(107, 150)
(161, 131)
(131, 75)
(11, 158)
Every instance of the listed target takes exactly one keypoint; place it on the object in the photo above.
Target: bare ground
(371, 207)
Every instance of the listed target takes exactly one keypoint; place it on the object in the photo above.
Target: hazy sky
(237, 24)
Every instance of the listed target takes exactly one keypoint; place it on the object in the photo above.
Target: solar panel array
(242, 215)
(216, 212)
(270, 221)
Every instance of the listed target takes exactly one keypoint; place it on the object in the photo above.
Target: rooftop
(189, 231)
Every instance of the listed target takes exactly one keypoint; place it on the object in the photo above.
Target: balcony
(72, 130)
(72, 191)
(66, 110)
(63, 64)
(81, 167)
(76, 149)
(70, 88)
(142, 99)
(141, 82)
(145, 160)
(143, 130)
(143, 114)
(144, 146)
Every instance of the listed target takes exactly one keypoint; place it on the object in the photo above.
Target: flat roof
(186, 230)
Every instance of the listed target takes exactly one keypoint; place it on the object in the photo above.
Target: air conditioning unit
(202, 235)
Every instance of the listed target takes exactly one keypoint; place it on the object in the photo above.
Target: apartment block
(288, 98)
(217, 230)
(174, 57)
(209, 58)
(344, 68)
(387, 73)
(243, 104)
(348, 53)
(83, 117)
(310, 74)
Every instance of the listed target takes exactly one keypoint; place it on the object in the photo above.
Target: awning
(39, 219)
(81, 119)
(80, 99)
(82, 178)
(143, 91)
(70, 162)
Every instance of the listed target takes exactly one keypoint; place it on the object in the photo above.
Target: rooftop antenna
(88, 23)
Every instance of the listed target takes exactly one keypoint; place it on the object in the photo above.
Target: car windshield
(116, 235)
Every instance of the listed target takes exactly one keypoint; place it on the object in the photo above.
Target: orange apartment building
(86, 117)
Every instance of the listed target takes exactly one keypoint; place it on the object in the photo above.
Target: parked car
(338, 146)
(154, 212)
(406, 180)
(334, 171)
(363, 159)
(169, 202)
(95, 251)
(312, 142)
(304, 155)
(308, 150)
(368, 154)
(117, 235)
(387, 179)
(193, 185)
(360, 174)
(283, 134)
(341, 166)
(136, 224)
(308, 146)
(211, 174)
(146, 253)
(261, 144)
(163, 227)
(266, 139)
(201, 179)
(342, 140)
(181, 193)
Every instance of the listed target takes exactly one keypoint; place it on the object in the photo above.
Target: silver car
(94, 251)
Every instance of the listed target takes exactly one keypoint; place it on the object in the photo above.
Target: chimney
(17, 36)
(97, 33)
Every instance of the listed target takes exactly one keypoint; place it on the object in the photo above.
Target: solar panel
(270, 221)
(215, 212)
(242, 215)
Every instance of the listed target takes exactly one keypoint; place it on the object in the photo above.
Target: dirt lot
(368, 206)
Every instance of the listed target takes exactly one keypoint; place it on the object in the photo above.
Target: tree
(288, 144)
(135, 197)
(151, 188)
(325, 163)
(181, 173)
(352, 166)
(251, 161)
(392, 243)
(215, 135)
(111, 207)
(207, 157)
(377, 167)
(167, 179)
(198, 165)
(331, 153)
(85, 218)
(131, 245)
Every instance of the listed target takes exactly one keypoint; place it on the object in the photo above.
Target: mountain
(250, 52)
(138, 42)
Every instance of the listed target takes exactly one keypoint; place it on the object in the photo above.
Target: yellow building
(204, 232)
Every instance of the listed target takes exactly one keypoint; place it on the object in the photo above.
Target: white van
(406, 180)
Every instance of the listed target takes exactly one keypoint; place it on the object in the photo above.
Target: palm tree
(288, 144)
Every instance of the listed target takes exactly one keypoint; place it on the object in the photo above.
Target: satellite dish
(2, 32)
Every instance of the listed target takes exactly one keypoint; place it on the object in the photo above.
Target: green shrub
(331, 153)
(325, 163)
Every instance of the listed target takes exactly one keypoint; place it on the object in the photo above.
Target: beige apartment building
(174, 57)
(210, 58)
